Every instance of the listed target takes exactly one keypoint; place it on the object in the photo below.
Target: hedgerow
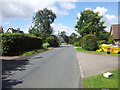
(13, 43)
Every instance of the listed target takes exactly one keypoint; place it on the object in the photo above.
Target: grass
(81, 49)
(101, 82)
(27, 53)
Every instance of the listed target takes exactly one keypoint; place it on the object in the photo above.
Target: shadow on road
(8, 66)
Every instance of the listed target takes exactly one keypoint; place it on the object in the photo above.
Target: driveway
(94, 64)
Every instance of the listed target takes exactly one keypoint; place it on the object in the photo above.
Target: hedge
(89, 42)
(17, 42)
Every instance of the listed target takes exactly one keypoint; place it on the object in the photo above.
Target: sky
(19, 13)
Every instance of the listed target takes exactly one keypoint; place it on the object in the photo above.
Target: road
(56, 68)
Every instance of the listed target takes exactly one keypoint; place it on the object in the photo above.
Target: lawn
(81, 49)
(101, 82)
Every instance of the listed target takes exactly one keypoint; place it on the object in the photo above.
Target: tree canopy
(41, 21)
(90, 22)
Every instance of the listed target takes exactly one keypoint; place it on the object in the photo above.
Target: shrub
(17, 42)
(77, 44)
(102, 42)
(89, 42)
(45, 45)
(111, 40)
(53, 41)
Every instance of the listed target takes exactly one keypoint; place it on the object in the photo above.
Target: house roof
(115, 29)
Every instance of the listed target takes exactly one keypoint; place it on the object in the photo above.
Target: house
(115, 31)
(11, 30)
(1, 30)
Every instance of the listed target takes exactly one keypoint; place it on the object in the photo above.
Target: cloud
(67, 5)
(25, 9)
(88, 9)
(101, 10)
(60, 27)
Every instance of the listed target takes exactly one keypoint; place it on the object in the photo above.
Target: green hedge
(17, 42)
(89, 42)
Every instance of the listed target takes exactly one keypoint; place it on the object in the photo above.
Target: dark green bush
(53, 41)
(77, 44)
(17, 42)
(89, 42)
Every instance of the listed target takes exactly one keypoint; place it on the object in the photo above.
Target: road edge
(80, 67)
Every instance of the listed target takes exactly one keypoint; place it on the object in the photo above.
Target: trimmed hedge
(14, 43)
(89, 42)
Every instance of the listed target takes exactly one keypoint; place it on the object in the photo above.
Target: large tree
(42, 22)
(90, 22)
(64, 36)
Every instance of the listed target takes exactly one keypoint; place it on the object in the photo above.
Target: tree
(42, 22)
(90, 23)
(64, 36)
(72, 38)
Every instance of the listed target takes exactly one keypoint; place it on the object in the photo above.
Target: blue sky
(19, 14)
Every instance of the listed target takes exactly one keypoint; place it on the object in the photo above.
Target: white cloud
(78, 15)
(88, 9)
(57, 11)
(67, 5)
(26, 9)
(60, 27)
(102, 10)
(111, 18)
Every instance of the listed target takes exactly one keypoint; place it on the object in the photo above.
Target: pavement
(56, 68)
(91, 64)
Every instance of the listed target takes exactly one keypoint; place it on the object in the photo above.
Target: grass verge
(81, 49)
(101, 82)
(27, 53)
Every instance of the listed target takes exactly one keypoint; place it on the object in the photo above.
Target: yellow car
(109, 48)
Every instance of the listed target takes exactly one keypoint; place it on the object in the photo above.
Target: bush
(45, 45)
(77, 44)
(89, 42)
(53, 41)
(17, 42)
(111, 40)
(102, 42)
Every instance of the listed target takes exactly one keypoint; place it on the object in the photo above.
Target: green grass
(101, 82)
(81, 49)
(27, 53)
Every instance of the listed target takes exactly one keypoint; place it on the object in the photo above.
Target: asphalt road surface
(56, 68)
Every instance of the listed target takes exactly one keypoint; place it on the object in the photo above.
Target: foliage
(111, 40)
(77, 44)
(73, 38)
(102, 42)
(18, 42)
(27, 53)
(42, 21)
(45, 45)
(89, 42)
(53, 41)
(64, 36)
(90, 22)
